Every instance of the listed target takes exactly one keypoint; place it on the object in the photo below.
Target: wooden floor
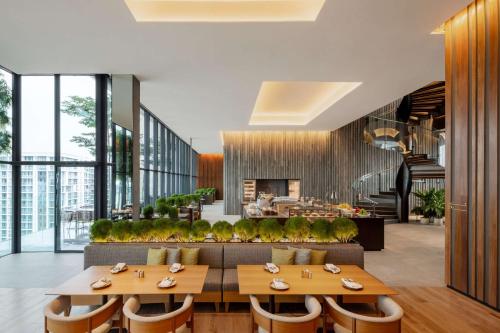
(427, 309)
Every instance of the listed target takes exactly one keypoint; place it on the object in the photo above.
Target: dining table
(256, 280)
(189, 280)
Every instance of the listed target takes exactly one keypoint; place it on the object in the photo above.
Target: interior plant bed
(371, 232)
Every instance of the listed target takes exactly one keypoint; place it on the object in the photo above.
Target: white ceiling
(201, 78)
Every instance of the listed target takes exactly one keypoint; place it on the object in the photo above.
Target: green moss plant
(100, 229)
(344, 229)
(121, 231)
(200, 229)
(182, 231)
(322, 230)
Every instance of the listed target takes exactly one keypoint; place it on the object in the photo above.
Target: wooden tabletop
(189, 281)
(254, 280)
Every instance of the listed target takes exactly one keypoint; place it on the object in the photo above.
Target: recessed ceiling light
(439, 30)
(296, 102)
(224, 10)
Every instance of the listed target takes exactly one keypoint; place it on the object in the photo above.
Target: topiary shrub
(222, 231)
(173, 213)
(270, 230)
(163, 229)
(344, 229)
(199, 230)
(142, 230)
(162, 208)
(322, 230)
(246, 229)
(297, 229)
(182, 231)
(99, 230)
(121, 231)
(148, 212)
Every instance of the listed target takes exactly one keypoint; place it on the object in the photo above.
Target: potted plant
(246, 229)
(148, 212)
(438, 205)
(162, 208)
(432, 204)
(222, 231)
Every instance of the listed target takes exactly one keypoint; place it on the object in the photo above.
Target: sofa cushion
(210, 253)
(302, 256)
(230, 280)
(213, 281)
(156, 256)
(282, 256)
(173, 255)
(189, 256)
(318, 257)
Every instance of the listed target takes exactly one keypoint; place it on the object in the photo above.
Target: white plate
(170, 286)
(116, 272)
(101, 287)
(286, 287)
(180, 269)
(352, 285)
(267, 269)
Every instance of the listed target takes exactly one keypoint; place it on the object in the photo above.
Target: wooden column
(211, 173)
(472, 122)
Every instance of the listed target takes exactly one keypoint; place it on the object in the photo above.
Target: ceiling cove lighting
(295, 102)
(439, 30)
(224, 10)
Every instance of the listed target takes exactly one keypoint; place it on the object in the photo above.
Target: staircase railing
(373, 183)
(394, 135)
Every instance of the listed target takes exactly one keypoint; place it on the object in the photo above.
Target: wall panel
(472, 115)
(211, 173)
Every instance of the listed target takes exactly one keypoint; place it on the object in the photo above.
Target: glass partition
(5, 159)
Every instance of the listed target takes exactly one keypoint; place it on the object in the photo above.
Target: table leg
(272, 304)
(170, 303)
(340, 300)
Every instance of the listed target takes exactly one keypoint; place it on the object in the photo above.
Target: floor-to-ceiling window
(5, 162)
(49, 172)
(168, 164)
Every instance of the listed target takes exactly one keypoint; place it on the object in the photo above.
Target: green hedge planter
(322, 230)
(222, 231)
(344, 229)
(200, 230)
(297, 229)
(246, 229)
(270, 230)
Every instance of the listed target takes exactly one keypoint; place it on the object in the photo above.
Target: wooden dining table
(188, 281)
(255, 280)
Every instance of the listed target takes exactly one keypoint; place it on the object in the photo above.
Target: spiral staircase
(386, 192)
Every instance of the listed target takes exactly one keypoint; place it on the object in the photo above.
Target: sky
(37, 115)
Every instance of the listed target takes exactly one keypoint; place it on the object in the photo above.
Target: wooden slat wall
(275, 155)
(472, 122)
(211, 173)
(352, 158)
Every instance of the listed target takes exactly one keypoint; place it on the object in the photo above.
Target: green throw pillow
(173, 255)
(318, 257)
(157, 256)
(302, 256)
(189, 255)
(282, 256)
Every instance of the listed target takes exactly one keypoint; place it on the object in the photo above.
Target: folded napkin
(166, 282)
(118, 267)
(351, 284)
(102, 282)
(175, 267)
(272, 268)
(279, 284)
(332, 268)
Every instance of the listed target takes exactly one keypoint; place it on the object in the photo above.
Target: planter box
(371, 232)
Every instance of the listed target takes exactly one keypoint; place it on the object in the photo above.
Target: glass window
(6, 209)
(78, 118)
(5, 115)
(37, 208)
(76, 201)
(37, 117)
